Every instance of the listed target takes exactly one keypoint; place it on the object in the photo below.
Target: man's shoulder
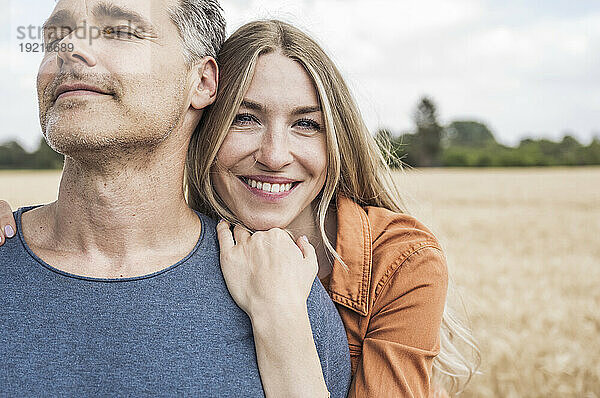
(13, 248)
(14, 261)
(208, 245)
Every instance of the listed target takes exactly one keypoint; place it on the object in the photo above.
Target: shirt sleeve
(403, 336)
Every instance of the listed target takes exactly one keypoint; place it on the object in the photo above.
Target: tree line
(462, 143)
(468, 143)
(13, 156)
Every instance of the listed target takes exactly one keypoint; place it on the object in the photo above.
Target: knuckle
(278, 233)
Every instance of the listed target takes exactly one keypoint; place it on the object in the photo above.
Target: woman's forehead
(280, 80)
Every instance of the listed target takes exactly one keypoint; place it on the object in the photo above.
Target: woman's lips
(272, 191)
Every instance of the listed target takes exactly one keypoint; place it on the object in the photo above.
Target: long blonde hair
(361, 174)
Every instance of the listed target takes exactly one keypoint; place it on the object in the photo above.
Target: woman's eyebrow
(255, 106)
(301, 110)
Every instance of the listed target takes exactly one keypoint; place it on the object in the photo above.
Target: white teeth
(268, 187)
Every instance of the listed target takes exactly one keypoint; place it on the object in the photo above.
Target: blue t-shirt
(176, 332)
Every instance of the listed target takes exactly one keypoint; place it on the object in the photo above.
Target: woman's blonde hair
(361, 174)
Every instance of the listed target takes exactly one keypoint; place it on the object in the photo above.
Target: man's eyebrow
(255, 106)
(114, 11)
(302, 110)
(59, 18)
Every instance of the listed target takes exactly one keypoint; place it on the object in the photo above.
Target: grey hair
(201, 26)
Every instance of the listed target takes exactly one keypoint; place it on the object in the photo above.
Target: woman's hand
(8, 226)
(266, 272)
(270, 277)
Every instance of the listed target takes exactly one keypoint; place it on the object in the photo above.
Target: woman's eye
(308, 124)
(244, 119)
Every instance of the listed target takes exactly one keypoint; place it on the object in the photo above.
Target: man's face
(123, 84)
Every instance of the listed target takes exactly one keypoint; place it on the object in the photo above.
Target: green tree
(46, 158)
(591, 153)
(427, 147)
(569, 151)
(468, 133)
(405, 146)
(13, 156)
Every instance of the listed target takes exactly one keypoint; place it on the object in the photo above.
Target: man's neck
(121, 221)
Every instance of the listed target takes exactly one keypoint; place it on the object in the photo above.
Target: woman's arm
(402, 337)
(8, 227)
(270, 277)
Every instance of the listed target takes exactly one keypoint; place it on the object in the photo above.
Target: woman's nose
(274, 151)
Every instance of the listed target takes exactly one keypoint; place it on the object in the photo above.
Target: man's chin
(82, 141)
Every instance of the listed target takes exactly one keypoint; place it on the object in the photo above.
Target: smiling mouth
(269, 188)
(78, 89)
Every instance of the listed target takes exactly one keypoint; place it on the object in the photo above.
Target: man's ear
(205, 82)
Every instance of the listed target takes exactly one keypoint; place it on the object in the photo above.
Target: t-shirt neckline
(22, 210)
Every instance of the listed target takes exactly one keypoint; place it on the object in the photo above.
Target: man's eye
(54, 35)
(119, 33)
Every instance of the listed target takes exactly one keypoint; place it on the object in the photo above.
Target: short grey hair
(201, 26)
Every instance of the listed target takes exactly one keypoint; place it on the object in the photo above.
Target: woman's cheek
(235, 148)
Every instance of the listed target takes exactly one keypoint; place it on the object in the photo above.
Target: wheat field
(523, 247)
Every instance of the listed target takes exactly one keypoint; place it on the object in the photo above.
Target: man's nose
(77, 48)
(274, 151)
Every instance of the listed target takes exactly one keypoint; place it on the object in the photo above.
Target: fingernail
(9, 231)
(304, 238)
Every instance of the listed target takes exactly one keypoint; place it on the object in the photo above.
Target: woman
(284, 147)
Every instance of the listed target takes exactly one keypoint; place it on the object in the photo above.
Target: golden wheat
(523, 248)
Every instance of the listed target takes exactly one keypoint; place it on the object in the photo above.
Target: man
(115, 288)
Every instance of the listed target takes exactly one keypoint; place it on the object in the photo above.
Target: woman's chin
(264, 224)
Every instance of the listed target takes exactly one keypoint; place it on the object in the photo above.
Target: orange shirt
(391, 300)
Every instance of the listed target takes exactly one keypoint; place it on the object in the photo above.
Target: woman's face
(273, 162)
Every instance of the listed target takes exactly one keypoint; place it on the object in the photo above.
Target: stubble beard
(121, 131)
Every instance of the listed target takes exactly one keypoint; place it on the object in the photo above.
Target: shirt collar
(350, 287)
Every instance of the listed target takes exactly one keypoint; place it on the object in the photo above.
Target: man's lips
(73, 89)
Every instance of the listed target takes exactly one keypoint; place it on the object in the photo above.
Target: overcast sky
(526, 68)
